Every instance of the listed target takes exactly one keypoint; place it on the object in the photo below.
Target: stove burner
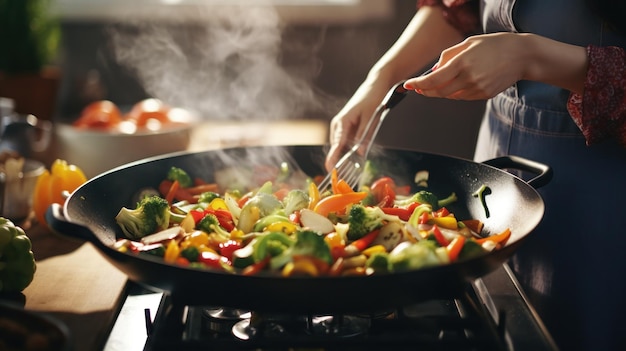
(245, 330)
(221, 319)
(460, 323)
(340, 326)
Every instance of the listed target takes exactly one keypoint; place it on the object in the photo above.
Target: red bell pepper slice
(364, 242)
(442, 212)
(454, 248)
(223, 216)
(227, 248)
(423, 218)
(384, 191)
(439, 236)
(256, 267)
(213, 260)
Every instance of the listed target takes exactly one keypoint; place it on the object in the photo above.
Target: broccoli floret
(210, 224)
(208, 196)
(370, 199)
(206, 223)
(426, 197)
(308, 243)
(181, 175)
(295, 200)
(379, 262)
(151, 215)
(191, 253)
(363, 219)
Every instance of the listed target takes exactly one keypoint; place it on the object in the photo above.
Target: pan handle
(57, 223)
(543, 172)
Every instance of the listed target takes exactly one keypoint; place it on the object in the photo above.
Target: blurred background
(254, 72)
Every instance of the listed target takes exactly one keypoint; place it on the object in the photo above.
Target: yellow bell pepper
(448, 222)
(282, 226)
(53, 185)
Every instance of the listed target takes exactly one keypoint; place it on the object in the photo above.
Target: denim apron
(573, 266)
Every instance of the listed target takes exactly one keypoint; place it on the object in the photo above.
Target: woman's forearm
(424, 38)
(554, 63)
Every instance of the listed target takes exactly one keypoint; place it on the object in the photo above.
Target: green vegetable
(17, 263)
(409, 256)
(471, 249)
(426, 197)
(260, 205)
(308, 243)
(448, 200)
(295, 200)
(244, 257)
(379, 262)
(191, 253)
(181, 176)
(205, 224)
(363, 219)
(152, 214)
(271, 244)
(210, 224)
(481, 193)
(207, 197)
(262, 223)
(158, 251)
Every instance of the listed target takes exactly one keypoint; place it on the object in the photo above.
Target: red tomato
(102, 114)
(384, 191)
(149, 109)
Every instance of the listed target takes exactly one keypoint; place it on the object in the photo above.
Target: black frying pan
(89, 214)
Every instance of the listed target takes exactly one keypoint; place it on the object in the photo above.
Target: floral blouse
(600, 111)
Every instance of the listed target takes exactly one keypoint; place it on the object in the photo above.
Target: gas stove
(491, 314)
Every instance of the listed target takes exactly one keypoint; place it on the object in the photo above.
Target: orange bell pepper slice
(500, 238)
(338, 202)
(343, 187)
(333, 181)
(454, 247)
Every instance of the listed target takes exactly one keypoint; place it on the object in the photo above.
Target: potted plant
(28, 46)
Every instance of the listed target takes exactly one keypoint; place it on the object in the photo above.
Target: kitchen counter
(75, 284)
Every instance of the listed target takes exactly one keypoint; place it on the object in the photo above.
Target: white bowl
(96, 151)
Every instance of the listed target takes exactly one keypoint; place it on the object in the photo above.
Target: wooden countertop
(75, 284)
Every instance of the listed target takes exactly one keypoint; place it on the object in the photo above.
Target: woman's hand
(347, 126)
(482, 66)
(478, 68)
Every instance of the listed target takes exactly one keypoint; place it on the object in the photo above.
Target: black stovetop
(493, 314)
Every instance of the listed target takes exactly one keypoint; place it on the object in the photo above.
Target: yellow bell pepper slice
(282, 226)
(448, 222)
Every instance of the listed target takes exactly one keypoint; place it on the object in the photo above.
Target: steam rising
(223, 64)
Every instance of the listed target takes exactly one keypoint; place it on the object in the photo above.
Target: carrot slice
(172, 191)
